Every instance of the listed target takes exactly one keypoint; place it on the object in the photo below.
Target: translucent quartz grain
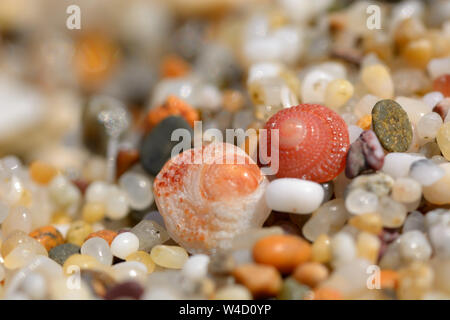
(414, 221)
(24, 253)
(439, 192)
(34, 286)
(172, 257)
(426, 172)
(93, 212)
(138, 189)
(414, 246)
(149, 234)
(406, 190)
(63, 192)
(428, 126)
(337, 93)
(397, 164)
(233, 292)
(418, 53)
(365, 105)
(13, 240)
(117, 205)
(415, 108)
(77, 262)
(42, 172)
(321, 249)
(415, 281)
(328, 219)
(433, 98)
(443, 139)
(359, 201)
(97, 192)
(144, 258)
(13, 190)
(393, 213)
(129, 271)
(368, 246)
(343, 248)
(314, 86)
(440, 238)
(196, 267)
(124, 244)
(99, 249)
(19, 218)
(369, 222)
(378, 81)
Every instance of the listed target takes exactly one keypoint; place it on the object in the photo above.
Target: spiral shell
(206, 203)
(313, 142)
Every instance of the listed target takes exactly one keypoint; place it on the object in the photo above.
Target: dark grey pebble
(62, 252)
(156, 147)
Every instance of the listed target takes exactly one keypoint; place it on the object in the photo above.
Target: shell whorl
(205, 205)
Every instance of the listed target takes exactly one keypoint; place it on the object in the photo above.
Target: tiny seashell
(313, 142)
(206, 203)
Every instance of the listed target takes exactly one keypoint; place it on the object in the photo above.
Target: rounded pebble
(392, 126)
(124, 244)
(284, 252)
(172, 257)
(294, 195)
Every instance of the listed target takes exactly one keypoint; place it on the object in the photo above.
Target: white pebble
(97, 191)
(414, 246)
(138, 189)
(397, 164)
(393, 213)
(294, 195)
(262, 49)
(440, 239)
(365, 105)
(196, 267)
(316, 80)
(263, 70)
(124, 244)
(343, 248)
(129, 270)
(406, 190)
(64, 193)
(99, 249)
(233, 292)
(414, 221)
(433, 98)
(428, 126)
(359, 201)
(116, 203)
(34, 286)
(426, 172)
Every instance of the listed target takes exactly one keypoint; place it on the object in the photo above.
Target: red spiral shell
(313, 142)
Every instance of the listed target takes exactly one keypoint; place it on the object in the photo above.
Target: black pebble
(156, 147)
(62, 252)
